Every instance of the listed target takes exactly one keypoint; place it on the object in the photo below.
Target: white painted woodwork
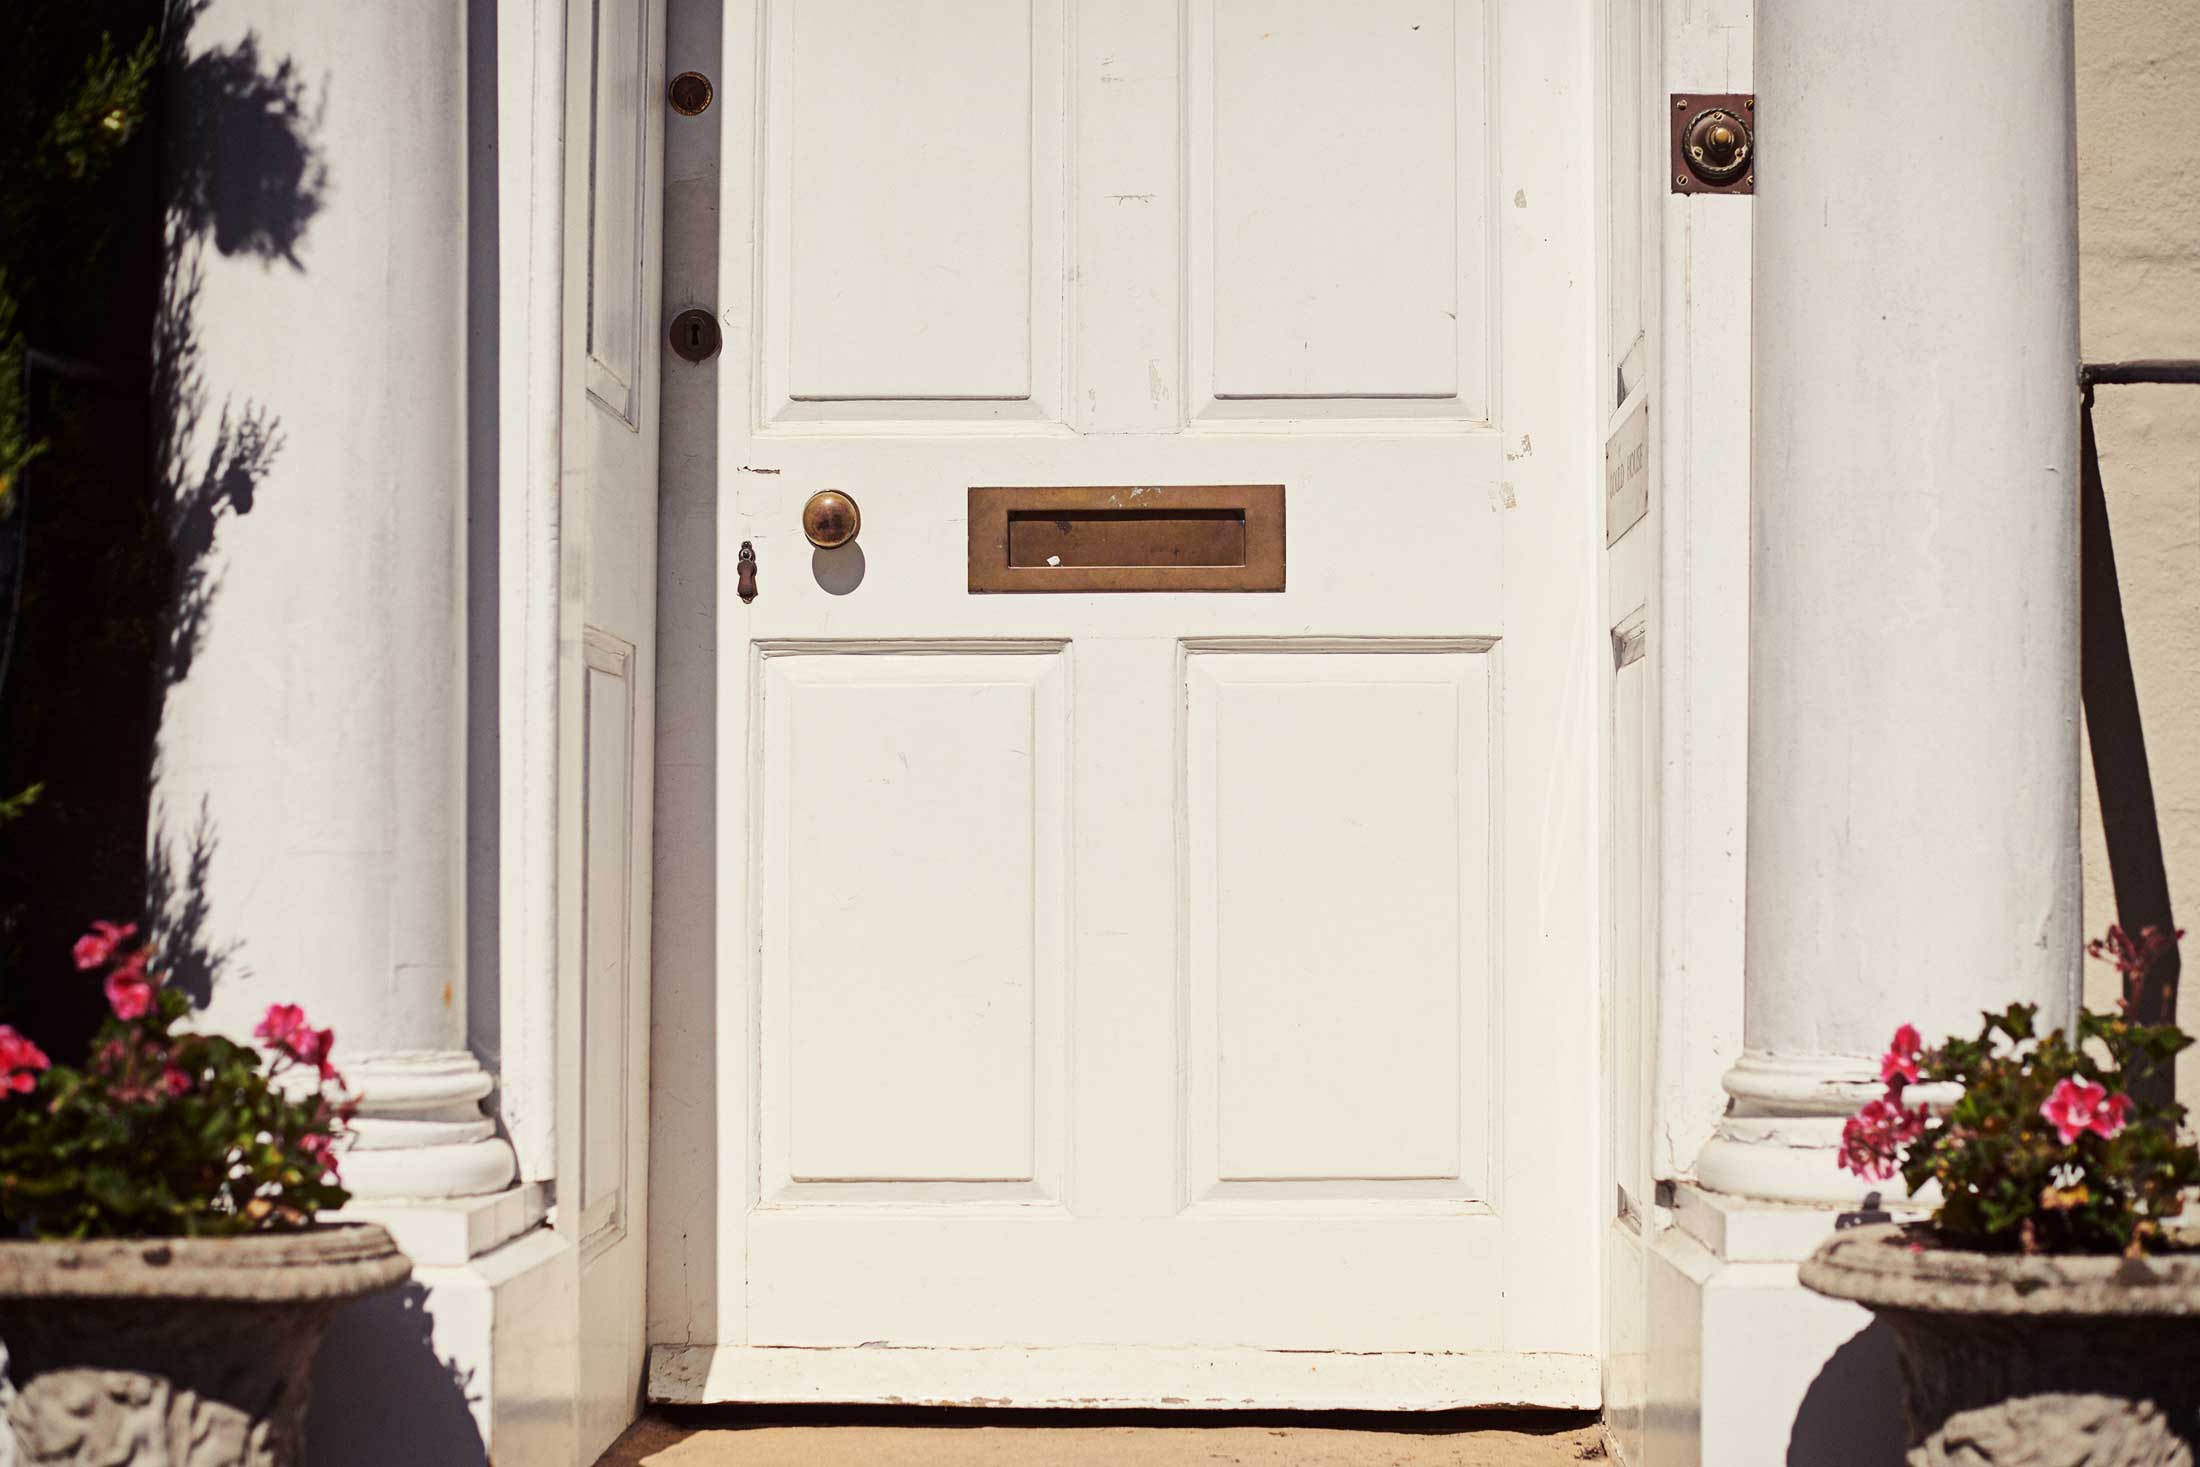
(1631, 184)
(614, 89)
(314, 748)
(1158, 1379)
(1921, 575)
(1700, 459)
(1119, 989)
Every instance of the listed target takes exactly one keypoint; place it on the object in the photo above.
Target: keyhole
(694, 336)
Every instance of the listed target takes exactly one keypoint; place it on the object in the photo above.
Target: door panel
(912, 164)
(1337, 246)
(1336, 809)
(915, 802)
(1120, 990)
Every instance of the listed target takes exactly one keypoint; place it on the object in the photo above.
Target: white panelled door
(1165, 998)
(607, 656)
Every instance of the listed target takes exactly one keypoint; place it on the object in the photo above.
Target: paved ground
(933, 1441)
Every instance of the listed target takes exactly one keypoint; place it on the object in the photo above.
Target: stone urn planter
(176, 1352)
(2074, 1360)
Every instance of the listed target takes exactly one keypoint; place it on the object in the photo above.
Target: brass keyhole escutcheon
(690, 93)
(1718, 145)
(694, 336)
(831, 519)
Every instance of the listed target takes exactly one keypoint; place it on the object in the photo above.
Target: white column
(1913, 743)
(315, 740)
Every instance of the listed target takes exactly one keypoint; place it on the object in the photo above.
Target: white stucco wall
(2139, 264)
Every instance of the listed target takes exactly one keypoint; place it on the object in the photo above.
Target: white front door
(1173, 998)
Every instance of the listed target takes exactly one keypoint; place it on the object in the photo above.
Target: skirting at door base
(1203, 1380)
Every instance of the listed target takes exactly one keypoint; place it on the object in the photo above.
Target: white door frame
(1696, 272)
(1701, 442)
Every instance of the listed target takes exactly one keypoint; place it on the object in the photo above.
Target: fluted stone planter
(2009, 1361)
(176, 1352)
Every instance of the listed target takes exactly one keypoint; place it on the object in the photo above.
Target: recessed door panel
(1338, 922)
(1337, 208)
(912, 970)
(912, 162)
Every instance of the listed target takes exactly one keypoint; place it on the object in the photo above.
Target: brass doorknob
(831, 519)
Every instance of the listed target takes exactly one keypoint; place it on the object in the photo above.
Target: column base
(1782, 1140)
(1746, 1366)
(420, 1132)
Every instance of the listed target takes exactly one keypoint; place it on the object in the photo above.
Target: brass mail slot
(1147, 537)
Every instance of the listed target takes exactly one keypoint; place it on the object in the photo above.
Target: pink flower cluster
(285, 1028)
(2075, 1107)
(129, 987)
(20, 1062)
(1873, 1138)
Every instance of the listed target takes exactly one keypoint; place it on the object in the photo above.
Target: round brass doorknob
(831, 519)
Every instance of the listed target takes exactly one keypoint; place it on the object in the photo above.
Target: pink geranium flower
(20, 1062)
(2076, 1106)
(129, 989)
(98, 945)
(1899, 1064)
(286, 1029)
(1873, 1138)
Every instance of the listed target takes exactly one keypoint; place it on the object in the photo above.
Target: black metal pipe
(2124, 374)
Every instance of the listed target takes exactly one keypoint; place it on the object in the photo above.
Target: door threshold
(1133, 1377)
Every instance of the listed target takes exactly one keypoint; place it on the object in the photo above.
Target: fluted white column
(1913, 743)
(315, 741)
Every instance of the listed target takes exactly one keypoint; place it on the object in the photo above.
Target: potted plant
(2049, 1311)
(165, 1285)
